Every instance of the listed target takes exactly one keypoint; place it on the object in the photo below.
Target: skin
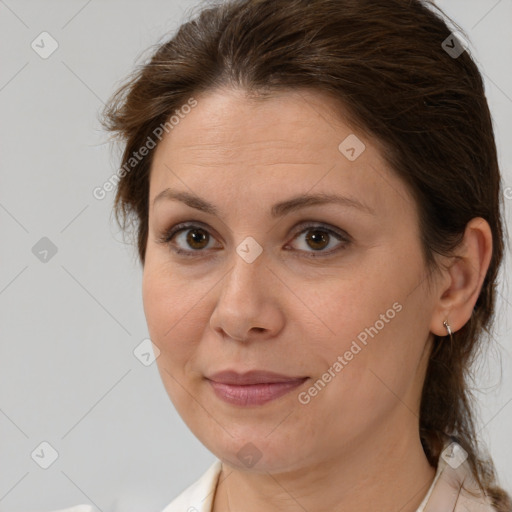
(356, 443)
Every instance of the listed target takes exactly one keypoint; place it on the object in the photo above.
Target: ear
(462, 281)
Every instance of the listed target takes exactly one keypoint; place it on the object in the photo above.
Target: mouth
(252, 388)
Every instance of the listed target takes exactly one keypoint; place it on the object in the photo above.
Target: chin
(259, 452)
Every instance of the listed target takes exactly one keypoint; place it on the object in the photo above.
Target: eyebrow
(278, 210)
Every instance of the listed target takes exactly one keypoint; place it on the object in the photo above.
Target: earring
(448, 328)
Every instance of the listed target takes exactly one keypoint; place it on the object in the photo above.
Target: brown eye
(196, 238)
(187, 239)
(318, 239)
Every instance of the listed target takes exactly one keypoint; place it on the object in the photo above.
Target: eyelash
(167, 237)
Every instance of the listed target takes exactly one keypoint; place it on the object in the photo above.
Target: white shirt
(443, 495)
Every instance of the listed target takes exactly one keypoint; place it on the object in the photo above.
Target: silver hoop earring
(448, 328)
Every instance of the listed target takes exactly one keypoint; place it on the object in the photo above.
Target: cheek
(174, 329)
(378, 330)
(157, 304)
(169, 316)
(349, 308)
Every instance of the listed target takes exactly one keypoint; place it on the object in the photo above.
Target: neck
(396, 477)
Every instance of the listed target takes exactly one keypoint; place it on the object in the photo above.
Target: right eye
(187, 239)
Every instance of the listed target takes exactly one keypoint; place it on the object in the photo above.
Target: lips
(251, 377)
(252, 388)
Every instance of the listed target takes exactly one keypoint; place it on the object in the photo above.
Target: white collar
(198, 497)
(443, 494)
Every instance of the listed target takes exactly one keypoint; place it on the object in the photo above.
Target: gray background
(69, 326)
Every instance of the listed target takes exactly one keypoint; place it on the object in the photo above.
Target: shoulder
(198, 497)
(457, 490)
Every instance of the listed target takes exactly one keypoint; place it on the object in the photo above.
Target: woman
(317, 200)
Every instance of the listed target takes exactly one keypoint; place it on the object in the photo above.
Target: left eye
(318, 238)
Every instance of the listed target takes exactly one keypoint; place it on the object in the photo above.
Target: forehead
(228, 124)
(287, 142)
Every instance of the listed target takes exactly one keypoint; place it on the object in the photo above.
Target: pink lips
(252, 388)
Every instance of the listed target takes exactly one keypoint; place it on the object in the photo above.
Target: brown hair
(384, 62)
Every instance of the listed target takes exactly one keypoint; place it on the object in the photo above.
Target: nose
(248, 305)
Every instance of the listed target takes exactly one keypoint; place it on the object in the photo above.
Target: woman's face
(332, 293)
